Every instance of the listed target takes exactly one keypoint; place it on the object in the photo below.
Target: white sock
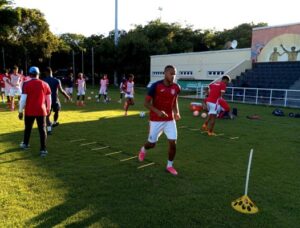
(48, 128)
(170, 164)
(143, 149)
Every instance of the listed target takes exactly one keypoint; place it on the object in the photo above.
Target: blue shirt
(54, 84)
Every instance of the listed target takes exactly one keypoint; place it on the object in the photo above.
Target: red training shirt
(36, 91)
(163, 98)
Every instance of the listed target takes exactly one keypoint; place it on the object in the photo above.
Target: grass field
(90, 183)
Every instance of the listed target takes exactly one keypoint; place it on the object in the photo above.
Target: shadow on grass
(101, 190)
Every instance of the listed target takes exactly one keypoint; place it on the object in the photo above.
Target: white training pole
(248, 172)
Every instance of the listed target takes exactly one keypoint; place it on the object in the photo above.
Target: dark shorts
(56, 107)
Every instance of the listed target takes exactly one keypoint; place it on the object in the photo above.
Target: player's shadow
(98, 187)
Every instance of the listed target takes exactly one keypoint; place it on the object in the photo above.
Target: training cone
(244, 205)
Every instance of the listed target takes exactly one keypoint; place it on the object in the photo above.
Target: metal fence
(273, 97)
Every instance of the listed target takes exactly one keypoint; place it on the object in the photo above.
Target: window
(215, 72)
(185, 73)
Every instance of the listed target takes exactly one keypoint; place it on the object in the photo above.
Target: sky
(89, 17)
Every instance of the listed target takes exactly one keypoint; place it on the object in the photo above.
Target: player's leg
(56, 109)
(155, 131)
(126, 105)
(41, 122)
(78, 98)
(170, 131)
(28, 120)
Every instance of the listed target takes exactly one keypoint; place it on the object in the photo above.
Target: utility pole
(3, 58)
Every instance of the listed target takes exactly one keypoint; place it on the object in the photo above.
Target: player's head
(34, 71)
(105, 76)
(293, 48)
(80, 75)
(130, 77)
(170, 73)
(226, 79)
(15, 69)
(48, 71)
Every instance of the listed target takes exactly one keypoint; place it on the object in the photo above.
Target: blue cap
(34, 70)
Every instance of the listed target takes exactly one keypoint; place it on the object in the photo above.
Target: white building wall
(198, 65)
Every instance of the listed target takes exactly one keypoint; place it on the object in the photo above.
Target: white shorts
(2, 90)
(103, 91)
(128, 95)
(81, 92)
(159, 127)
(69, 90)
(14, 92)
(212, 108)
(6, 91)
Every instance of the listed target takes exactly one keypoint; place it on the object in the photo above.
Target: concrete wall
(198, 65)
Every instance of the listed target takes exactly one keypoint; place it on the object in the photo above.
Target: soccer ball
(92, 92)
(142, 114)
(204, 115)
(196, 113)
(89, 98)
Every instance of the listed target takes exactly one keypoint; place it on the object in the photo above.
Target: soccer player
(6, 79)
(103, 88)
(36, 98)
(55, 86)
(69, 86)
(162, 101)
(15, 89)
(122, 87)
(129, 92)
(216, 91)
(81, 88)
(2, 87)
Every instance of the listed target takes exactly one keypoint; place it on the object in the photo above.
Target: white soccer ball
(142, 114)
(204, 115)
(89, 98)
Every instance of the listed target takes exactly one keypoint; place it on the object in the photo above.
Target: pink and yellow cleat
(172, 170)
(142, 156)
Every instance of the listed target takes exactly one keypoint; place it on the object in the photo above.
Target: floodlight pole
(116, 38)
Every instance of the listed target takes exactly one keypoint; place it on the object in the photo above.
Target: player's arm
(48, 102)
(148, 104)
(63, 92)
(176, 110)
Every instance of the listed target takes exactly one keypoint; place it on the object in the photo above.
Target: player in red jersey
(216, 91)
(36, 98)
(2, 87)
(162, 101)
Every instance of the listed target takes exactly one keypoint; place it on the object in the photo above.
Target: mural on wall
(280, 43)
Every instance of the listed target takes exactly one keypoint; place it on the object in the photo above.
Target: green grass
(77, 186)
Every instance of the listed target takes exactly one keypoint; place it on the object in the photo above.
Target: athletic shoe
(43, 153)
(210, 133)
(55, 124)
(172, 170)
(142, 156)
(204, 127)
(24, 146)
